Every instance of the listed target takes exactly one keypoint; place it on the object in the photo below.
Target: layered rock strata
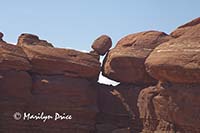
(158, 91)
(39, 79)
(173, 105)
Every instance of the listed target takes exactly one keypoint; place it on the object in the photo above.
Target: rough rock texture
(30, 39)
(16, 84)
(47, 60)
(64, 94)
(123, 130)
(181, 30)
(173, 105)
(170, 108)
(102, 44)
(177, 60)
(13, 57)
(125, 63)
(15, 95)
(118, 108)
(38, 79)
(63, 89)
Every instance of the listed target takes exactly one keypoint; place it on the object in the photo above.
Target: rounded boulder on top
(102, 44)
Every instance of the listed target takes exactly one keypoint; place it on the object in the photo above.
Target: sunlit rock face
(173, 105)
(38, 80)
(178, 59)
(125, 62)
(155, 77)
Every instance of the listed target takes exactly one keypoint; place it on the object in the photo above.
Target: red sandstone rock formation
(173, 105)
(30, 39)
(47, 60)
(125, 63)
(13, 57)
(35, 78)
(177, 60)
(170, 108)
(181, 30)
(118, 108)
(102, 44)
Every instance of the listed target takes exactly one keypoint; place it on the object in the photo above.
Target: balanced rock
(102, 44)
(177, 60)
(125, 63)
(29, 39)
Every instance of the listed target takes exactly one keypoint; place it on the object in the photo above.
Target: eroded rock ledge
(159, 88)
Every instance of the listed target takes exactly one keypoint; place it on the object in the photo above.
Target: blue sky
(76, 23)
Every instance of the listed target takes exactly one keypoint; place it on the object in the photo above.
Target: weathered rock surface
(173, 105)
(36, 78)
(60, 89)
(112, 99)
(102, 44)
(47, 60)
(170, 108)
(50, 83)
(64, 94)
(123, 130)
(15, 95)
(118, 108)
(24, 93)
(177, 60)
(181, 30)
(13, 57)
(30, 39)
(15, 84)
(125, 63)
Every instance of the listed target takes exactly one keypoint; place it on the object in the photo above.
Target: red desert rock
(36, 78)
(102, 44)
(30, 39)
(118, 107)
(15, 84)
(61, 89)
(177, 60)
(15, 93)
(181, 30)
(59, 93)
(125, 63)
(170, 108)
(13, 57)
(48, 60)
